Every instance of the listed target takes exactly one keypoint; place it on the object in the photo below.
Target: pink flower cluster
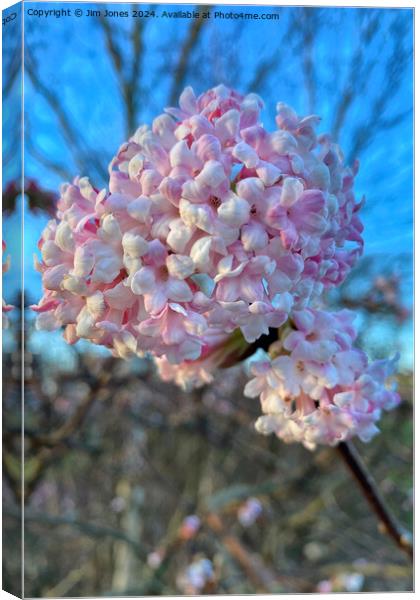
(319, 389)
(211, 224)
(215, 230)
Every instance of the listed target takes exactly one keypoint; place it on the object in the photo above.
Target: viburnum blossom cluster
(319, 389)
(213, 233)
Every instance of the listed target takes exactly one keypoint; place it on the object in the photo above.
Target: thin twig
(388, 523)
(129, 83)
(269, 67)
(309, 22)
(82, 155)
(264, 579)
(85, 527)
(76, 419)
(190, 42)
(358, 70)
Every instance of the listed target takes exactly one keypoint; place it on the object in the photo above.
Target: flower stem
(387, 522)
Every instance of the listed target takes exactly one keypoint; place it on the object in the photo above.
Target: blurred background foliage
(116, 460)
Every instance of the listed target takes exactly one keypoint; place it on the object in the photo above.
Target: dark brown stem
(388, 523)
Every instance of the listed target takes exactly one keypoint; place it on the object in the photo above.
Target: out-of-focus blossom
(315, 551)
(249, 512)
(189, 527)
(211, 224)
(197, 577)
(6, 307)
(386, 293)
(342, 582)
(324, 587)
(321, 390)
(118, 504)
(352, 582)
(154, 559)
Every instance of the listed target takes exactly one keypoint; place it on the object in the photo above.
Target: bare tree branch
(369, 488)
(129, 84)
(272, 65)
(89, 529)
(190, 43)
(357, 72)
(82, 156)
(309, 27)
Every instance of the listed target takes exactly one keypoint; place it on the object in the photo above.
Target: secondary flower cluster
(212, 227)
(319, 389)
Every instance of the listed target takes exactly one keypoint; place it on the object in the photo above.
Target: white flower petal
(144, 281)
(139, 209)
(134, 245)
(178, 291)
(96, 304)
(234, 211)
(180, 266)
(291, 190)
(200, 252)
(227, 126)
(246, 154)
(212, 174)
(64, 237)
(179, 235)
